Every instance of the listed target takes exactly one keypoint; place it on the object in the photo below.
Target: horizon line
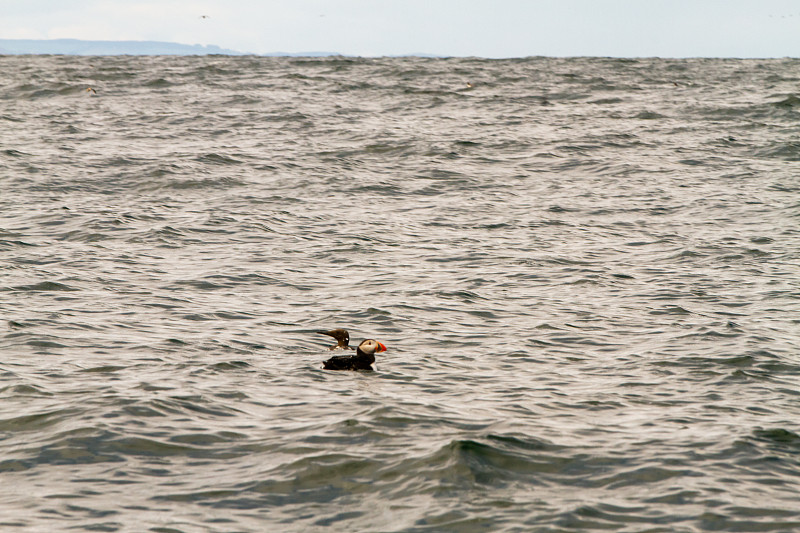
(316, 54)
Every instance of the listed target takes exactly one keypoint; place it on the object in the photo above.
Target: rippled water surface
(587, 273)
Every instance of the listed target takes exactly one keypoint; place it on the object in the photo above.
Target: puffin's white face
(371, 346)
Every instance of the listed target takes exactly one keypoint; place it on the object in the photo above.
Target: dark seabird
(91, 90)
(342, 339)
(362, 360)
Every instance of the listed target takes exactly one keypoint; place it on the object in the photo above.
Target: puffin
(342, 339)
(362, 360)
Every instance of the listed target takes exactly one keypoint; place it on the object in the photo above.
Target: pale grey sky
(486, 28)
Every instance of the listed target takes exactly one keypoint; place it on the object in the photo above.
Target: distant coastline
(133, 48)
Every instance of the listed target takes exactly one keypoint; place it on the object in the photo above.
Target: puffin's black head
(371, 347)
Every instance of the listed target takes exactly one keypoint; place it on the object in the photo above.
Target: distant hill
(106, 48)
(77, 47)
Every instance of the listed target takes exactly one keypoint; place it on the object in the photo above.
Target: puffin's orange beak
(382, 347)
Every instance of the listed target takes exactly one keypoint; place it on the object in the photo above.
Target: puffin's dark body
(359, 361)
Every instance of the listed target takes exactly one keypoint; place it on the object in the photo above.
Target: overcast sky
(486, 28)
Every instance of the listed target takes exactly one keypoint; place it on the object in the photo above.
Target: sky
(484, 28)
